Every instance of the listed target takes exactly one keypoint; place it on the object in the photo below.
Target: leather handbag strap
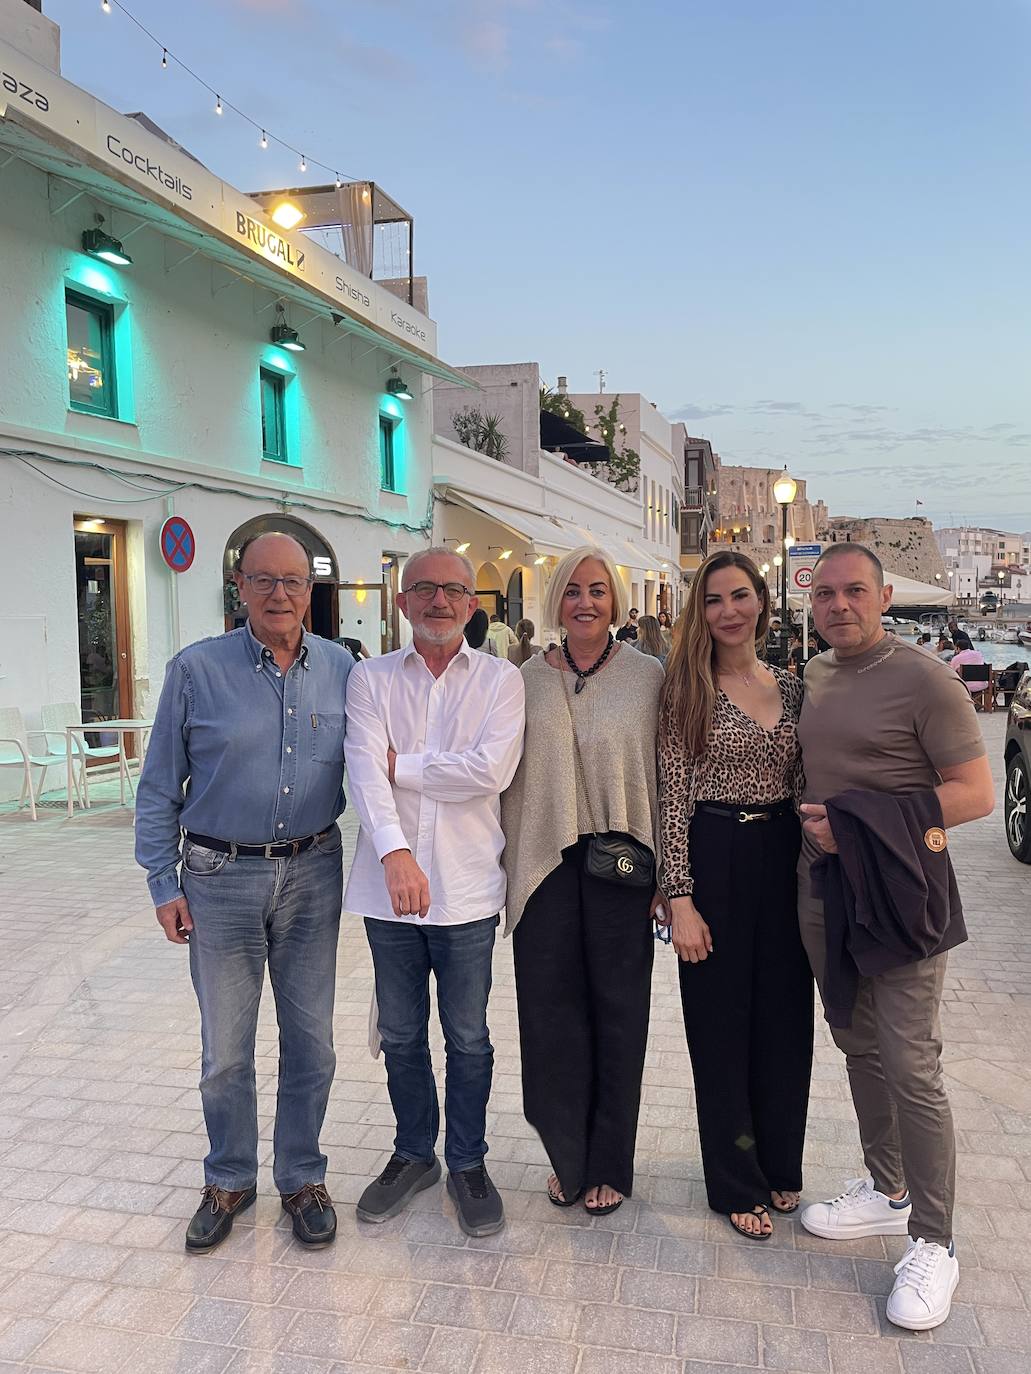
(577, 757)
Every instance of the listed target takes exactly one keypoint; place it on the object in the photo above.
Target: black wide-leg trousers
(583, 965)
(748, 1009)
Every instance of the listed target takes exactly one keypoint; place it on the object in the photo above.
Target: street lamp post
(784, 490)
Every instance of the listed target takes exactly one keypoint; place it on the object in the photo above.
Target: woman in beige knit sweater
(583, 945)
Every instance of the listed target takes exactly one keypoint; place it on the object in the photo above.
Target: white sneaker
(927, 1278)
(859, 1211)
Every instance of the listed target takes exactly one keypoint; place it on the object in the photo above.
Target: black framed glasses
(425, 591)
(264, 583)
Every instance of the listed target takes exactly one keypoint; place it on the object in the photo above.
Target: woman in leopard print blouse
(730, 782)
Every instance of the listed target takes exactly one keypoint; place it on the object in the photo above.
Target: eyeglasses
(425, 591)
(264, 583)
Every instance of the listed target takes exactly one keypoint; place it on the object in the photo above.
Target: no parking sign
(178, 545)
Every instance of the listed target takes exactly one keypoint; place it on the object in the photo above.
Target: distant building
(904, 546)
(700, 513)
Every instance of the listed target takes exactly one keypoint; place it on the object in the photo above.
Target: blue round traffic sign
(178, 545)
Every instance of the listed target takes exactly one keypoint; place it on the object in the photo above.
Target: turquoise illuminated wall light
(397, 386)
(106, 247)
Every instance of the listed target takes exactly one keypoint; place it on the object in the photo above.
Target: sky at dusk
(802, 227)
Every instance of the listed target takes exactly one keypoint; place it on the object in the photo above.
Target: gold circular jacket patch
(935, 839)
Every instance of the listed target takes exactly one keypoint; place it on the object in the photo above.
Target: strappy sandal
(785, 1211)
(557, 1201)
(603, 1211)
(759, 1210)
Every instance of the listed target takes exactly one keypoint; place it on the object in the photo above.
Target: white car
(896, 626)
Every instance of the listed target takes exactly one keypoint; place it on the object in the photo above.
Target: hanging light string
(168, 57)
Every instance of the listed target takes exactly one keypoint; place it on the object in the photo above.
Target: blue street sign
(805, 550)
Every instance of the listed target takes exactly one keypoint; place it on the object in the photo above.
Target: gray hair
(436, 549)
(564, 570)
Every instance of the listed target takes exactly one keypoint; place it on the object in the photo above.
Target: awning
(637, 558)
(557, 433)
(545, 534)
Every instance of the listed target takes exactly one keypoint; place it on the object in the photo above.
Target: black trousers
(748, 1009)
(583, 963)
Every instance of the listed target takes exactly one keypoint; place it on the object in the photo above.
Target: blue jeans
(403, 955)
(246, 912)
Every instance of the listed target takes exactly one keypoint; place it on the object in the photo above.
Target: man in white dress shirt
(434, 736)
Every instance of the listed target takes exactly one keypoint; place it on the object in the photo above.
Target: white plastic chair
(56, 717)
(15, 753)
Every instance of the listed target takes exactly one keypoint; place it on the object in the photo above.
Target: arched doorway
(514, 598)
(323, 617)
(489, 590)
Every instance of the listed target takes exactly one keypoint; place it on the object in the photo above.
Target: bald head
(275, 545)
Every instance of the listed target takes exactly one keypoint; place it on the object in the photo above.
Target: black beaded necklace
(582, 674)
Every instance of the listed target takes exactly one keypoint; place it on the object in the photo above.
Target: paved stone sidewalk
(101, 1140)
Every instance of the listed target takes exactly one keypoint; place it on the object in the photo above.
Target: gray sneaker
(480, 1209)
(396, 1186)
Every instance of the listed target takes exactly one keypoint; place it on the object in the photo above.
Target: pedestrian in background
(475, 632)
(500, 636)
(246, 759)
(434, 735)
(730, 781)
(666, 629)
(882, 717)
(580, 824)
(525, 647)
(649, 638)
(628, 630)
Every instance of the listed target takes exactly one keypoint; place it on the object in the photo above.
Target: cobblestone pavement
(101, 1140)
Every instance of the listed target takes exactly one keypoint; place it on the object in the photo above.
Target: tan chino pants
(893, 1055)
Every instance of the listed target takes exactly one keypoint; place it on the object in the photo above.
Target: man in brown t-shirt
(882, 715)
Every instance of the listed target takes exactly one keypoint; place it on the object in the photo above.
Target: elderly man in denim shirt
(247, 758)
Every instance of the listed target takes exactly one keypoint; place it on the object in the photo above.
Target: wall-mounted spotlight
(106, 247)
(460, 546)
(502, 551)
(286, 214)
(283, 335)
(398, 387)
(541, 558)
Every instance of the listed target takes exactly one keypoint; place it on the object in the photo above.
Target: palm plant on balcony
(482, 433)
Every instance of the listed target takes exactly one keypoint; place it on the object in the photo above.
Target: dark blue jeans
(403, 955)
(247, 912)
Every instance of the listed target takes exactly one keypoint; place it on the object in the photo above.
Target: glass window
(273, 416)
(387, 473)
(91, 373)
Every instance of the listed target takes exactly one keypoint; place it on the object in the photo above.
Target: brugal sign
(270, 243)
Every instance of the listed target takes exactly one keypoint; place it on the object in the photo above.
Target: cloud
(701, 412)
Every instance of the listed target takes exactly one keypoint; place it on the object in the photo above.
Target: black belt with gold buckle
(744, 815)
(279, 849)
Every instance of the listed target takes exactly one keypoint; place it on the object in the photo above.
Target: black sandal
(562, 1201)
(759, 1210)
(785, 1211)
(603, 1211)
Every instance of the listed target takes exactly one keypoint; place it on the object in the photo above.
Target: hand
(659, 911)
(407, 884)
(175, 920)
(692, 939)
(391, 760)
(818, 827)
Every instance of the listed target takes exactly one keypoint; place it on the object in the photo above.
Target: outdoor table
(121, 728)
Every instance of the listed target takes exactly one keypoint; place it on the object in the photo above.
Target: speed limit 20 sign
(802, 577)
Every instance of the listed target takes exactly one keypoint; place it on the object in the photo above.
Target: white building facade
(152, 389)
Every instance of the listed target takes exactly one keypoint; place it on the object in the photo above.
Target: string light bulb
(164, 57)
(218, 104)
(105, 5)
(263, 140)
(304, 163)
